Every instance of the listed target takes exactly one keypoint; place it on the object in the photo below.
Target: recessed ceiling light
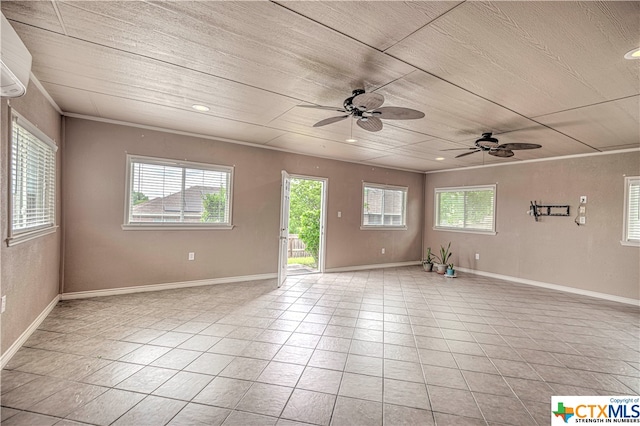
(633, 54)
(439, 158)
(202, 108)
(351, 140)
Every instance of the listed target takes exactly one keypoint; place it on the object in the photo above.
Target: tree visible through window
(470, 208)
(174, 193)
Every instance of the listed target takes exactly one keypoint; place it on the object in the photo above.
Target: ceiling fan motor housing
(348, 103)
(486, 142)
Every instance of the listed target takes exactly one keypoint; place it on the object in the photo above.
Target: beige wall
(554, 250)
(100, 255)
(29, 275)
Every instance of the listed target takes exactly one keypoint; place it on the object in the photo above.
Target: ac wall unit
(15, 61)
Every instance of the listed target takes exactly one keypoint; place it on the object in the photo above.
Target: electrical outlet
(192, 256)
(383, 250)
(583, 199)
(477, 256)
(339, 214)
(582, 210)
(582, 220)
(4, 303)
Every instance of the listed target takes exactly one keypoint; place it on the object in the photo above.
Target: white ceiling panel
(550, 73)
(614, 124)
(71, 99)
(255, 43)
(402, 162)
(380, 24)
(186, 121)
(531, 56)
(451, 112)
(39, 14)
(62, 60)
(322, 147)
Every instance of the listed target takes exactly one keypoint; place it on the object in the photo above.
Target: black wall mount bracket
(538, 210)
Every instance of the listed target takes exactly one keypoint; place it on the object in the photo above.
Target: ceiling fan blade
(330, 120)
(322, 107)
(367, 101)
(503, 153)
(371, 124)
(457, 149)
(467, 153)
(397, 113)
(510, 146)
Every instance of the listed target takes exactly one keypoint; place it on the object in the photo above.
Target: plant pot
(441, 268)
(428, 267)
(451, 271)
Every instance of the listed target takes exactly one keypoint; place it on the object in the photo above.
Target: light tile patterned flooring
(393, 347)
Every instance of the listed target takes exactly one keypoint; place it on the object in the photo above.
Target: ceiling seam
(338, 32)
(59, 15)
(325, 26)
(491, 101)
(266, 126)
(423, 26)
(162, 61)
(429, 73)
(587, 106)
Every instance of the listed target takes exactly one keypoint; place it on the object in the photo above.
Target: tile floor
(393, 347)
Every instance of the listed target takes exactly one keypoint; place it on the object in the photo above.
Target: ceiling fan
(367, 110)
(487, 143)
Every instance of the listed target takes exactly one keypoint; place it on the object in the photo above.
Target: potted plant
(450, 270)
(427, 262)
(443, 259)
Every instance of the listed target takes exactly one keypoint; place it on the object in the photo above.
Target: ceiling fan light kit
(367, 110)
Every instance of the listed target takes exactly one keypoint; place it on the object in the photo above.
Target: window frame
(383, 227)
(628, 182)
(436, 205)
(174, 226)
(17, 236)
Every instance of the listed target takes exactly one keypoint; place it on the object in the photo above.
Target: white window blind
(33, 178)
(632, 211)
(465, 209)
(166, 192)
(384, 206)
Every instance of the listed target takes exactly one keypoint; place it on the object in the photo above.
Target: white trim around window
(32, 182)
(631, 220)
(384, 207)
(470, 209)
(166, 194)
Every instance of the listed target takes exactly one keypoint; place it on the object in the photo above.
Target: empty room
(320, 213)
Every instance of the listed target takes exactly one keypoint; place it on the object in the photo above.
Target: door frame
(283, 227)
(323, 216)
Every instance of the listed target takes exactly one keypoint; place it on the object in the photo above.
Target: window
(167, 193)
(383, 206)
(32, 180)
(631, 235)
(466, 209)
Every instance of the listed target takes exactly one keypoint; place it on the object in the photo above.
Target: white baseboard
(6, 357)
(574, 290)
(165, 286)
(375, 266)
